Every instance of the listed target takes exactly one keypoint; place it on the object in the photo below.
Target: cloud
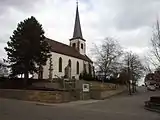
(128, 21)
(136, 13)
(20, 5)
(127, 14)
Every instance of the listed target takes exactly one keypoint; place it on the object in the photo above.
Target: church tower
(77, 41)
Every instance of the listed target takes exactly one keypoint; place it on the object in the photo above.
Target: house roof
(66, 50)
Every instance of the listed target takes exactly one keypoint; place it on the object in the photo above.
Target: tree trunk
(129, 88)
(129, 77)
(135, 90)
(26, 76)
(133, 86)
(40, 72)
(105, 75)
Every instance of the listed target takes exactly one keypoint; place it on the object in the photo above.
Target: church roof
(77, 27)
(66, 50)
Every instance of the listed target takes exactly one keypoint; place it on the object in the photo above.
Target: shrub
(86, 76)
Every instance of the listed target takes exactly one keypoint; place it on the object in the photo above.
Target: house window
(77, 67)
(74, 45)
(81, 46)
(60, 64)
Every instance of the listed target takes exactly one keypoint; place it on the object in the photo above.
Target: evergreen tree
(27, 50)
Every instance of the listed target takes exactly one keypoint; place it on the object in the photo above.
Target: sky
(130, 22)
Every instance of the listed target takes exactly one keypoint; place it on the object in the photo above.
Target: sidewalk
(72, 103)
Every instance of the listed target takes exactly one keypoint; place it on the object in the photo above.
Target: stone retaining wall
(103, 94)
(35, 95)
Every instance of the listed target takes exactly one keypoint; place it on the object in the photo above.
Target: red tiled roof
(66, 50)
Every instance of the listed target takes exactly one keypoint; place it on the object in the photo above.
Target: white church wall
(65, 59)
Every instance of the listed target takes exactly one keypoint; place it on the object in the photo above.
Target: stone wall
(35, 95)
(103, 94)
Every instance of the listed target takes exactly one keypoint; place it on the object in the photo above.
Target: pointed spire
(77, 26)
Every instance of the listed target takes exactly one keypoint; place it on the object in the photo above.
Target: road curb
(72, 103)
(151, 109)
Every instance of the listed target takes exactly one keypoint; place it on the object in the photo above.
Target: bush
(86, 76)
(111, 80)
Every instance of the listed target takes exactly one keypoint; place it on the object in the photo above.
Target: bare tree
(107, 55)
(155, 42)
(147, 65)
(135, 68)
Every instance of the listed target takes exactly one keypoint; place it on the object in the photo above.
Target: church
(72, 56)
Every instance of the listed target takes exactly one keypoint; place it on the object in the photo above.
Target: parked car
(151, 87)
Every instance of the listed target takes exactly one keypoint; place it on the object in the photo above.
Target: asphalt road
(122, 107)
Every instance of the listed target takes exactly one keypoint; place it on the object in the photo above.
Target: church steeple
(77, 33)
(77, 40)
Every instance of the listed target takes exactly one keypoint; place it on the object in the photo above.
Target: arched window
(74, 45)
(60, 64)
(81, 46)
(77, 67)
(69, 62)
